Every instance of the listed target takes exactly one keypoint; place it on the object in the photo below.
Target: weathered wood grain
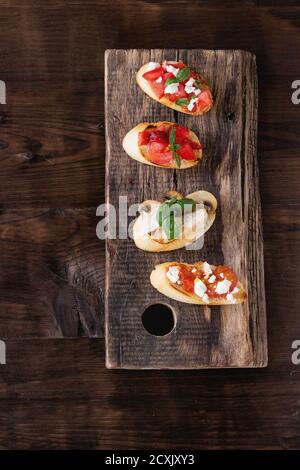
(57, 394)
(51, 273)
(231, 336)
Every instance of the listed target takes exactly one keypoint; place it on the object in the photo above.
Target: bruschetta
(175, 223)
(200, 283)
(163, 144)
(176, 85)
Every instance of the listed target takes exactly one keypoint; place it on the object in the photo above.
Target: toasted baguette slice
(145, 86)
(160, 281)
(190, 233)
(131, 146)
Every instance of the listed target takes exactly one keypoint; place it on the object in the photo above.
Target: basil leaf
(162, 213)
(171, 80)
(172, 138)
(183, 74)
(177, 159)
(170, 227)
(182, 101)
(171, 201)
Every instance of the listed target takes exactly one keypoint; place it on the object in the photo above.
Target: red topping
(204, 99)
(155, 144)
(180, 93)
(228, 274)
(186, 152)
(187, 277)
(154, 74)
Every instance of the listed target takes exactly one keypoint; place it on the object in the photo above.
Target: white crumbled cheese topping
(171, 69)
(189, 86)
(236, 290)
(190, 82)
(212, 279)
(205, 298)
(222, 275)
(158, 80)
(194, 270)
(223, 287)
(173, 274)
(199, 287)
(230, 298)
(191, 104)
(197, 91)
(207, 269)
(152, 66)
(171, 89)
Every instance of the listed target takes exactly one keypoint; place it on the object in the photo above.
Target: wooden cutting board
(203, 336)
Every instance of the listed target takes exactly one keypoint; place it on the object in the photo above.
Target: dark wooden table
(55, 392)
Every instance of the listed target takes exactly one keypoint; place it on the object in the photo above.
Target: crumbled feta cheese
(222, 275)
(171, 69)
(236, 290)
(190, 82)
(194, 270)
(223, 287)
(158, 80)
(191, 104)
(171, 89)
(207, 269)
(189, 86)
(230, 298)
(212, 279)
(197, 91)
(199, 287)
(173, 274)
(152, 66)
(205, 298)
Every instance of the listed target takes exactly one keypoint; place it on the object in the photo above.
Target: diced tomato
(154, 74)
(181, 93)
(143, 137)
(204, 100)
(186, 152)
(194, 145)
(159, 136)
(178, 65)
(228, 274)
(167, 75)
(158, 88)
(187, 278)
(156, 147)
(163, 158)
(181, 133)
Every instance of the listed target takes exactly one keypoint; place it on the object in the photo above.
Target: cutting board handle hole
(158, 319)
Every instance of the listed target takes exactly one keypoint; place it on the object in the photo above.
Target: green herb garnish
(182, 101)
(172, 80)
(174, 147)
(169, 210)
(183, 74)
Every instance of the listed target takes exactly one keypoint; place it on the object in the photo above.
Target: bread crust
(160, 282)
(146, 243)
(131, 147)
(145, 86)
